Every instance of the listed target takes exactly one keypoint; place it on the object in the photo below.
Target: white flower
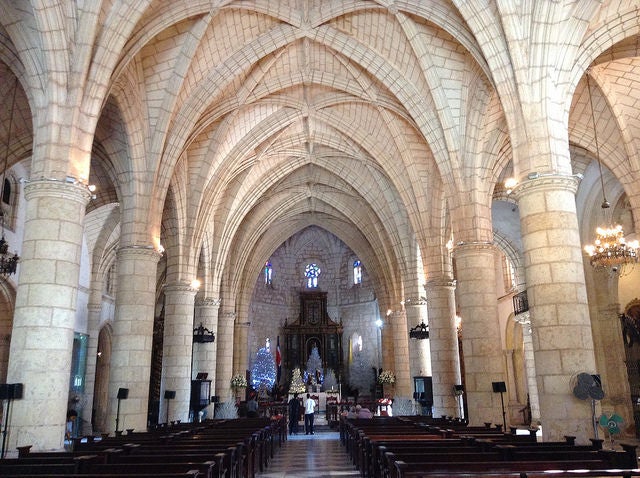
(238, 380)
(386, 376)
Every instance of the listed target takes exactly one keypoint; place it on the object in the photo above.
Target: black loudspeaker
(10, 391)
(169, 394)
(17, 390)
(123, 393)
(499, 387)
(460, 388)
(215, 399)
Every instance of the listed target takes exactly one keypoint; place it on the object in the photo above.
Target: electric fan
(584, 386)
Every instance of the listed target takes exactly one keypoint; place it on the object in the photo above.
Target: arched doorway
(630, 321)
(7, 303)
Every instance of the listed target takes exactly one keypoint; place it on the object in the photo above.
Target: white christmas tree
(314, 367)
(330, 381)
(263, 371)
(360, 374)
(297, 384)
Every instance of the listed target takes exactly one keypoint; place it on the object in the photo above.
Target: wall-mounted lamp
(509, 184)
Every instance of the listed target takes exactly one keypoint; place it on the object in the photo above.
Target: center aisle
(310, 456)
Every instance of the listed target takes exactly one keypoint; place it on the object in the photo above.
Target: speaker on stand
(168, 396)
(123, 394)
(501, 387)
(8, 392)
(458, 390)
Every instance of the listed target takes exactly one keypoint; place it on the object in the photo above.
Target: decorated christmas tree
(263, 371)
(297, 384)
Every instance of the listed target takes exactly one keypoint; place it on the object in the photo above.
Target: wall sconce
(509, 184)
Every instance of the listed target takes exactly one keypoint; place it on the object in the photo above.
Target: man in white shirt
(309, 409)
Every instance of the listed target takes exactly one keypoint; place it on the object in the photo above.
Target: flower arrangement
(238, 381)
(386, 377)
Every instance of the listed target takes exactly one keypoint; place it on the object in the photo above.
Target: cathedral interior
(319, 174)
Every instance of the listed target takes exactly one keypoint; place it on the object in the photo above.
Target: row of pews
(421, 447)
(237, 448)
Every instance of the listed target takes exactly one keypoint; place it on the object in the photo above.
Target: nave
(310, 456)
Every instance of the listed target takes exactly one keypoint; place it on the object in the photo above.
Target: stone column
(419, 350)
(45, 313)
(94, 309)
(240, 346)
(204, 355)
(443, 338)
(615, 381)
(133, 336)
(530, 367)
(478, 306)
(224, 364)
(511, 377)
(177, 348)
(400, 354)
(562, 337)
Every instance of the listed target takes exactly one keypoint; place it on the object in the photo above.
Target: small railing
(520, 303)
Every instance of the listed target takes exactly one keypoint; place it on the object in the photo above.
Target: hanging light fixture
(419, 332)
(202, 335)
(8, 262)
(610, 251)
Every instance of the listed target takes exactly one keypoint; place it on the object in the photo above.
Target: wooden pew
(188, 474)
(205, 469)
(247, 445)
(427, 470)
(220, 461)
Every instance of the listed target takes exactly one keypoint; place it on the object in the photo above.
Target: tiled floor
(310, 456)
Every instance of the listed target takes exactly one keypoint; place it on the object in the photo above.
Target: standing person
(72, 415)
(294, 414)
(252, 406)
(309, 409)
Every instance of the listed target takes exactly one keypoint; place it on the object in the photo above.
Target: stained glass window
(312, 272)
(357, 272)
(268, 273)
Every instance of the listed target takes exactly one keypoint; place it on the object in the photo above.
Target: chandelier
(8, 262)
(610, 251)
(419, 332)
(202, 335)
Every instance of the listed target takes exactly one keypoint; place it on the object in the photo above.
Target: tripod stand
(6, 427)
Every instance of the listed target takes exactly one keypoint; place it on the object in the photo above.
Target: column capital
(414, 301)
(208, 302)
(45, 187)
(471, 247)
(444, 283)
(550, 182)
(140, 250)
(524, 319)
(180, 287)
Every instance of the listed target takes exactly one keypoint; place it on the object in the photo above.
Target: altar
(320, 398)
